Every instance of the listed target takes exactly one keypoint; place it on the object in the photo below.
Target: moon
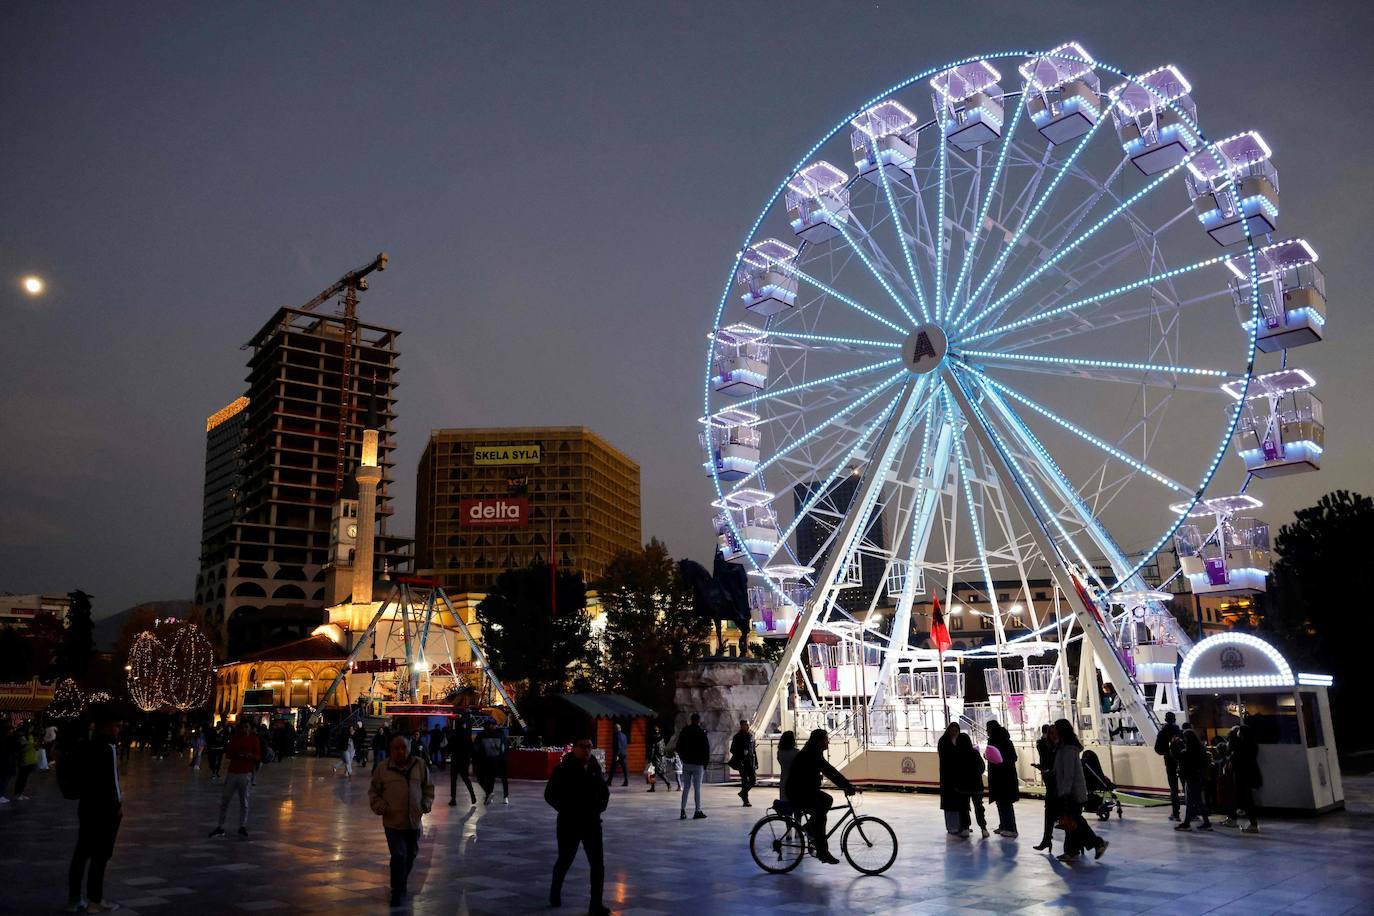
(33, 285)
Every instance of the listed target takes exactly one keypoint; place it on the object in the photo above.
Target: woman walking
(1003, 787)
(1044, 749)
(1072, 791)
(787, 752)
(970, 780)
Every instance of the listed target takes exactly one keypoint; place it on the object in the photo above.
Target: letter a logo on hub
(924, 349)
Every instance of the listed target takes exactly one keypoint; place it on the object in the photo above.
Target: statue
(722, 596)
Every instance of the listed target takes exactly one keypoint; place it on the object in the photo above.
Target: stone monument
(723, 691)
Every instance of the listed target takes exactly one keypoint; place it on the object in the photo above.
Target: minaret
(369, 474)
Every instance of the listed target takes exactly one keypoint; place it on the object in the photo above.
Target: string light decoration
(145, 671)
(186, 669)
(68, 701)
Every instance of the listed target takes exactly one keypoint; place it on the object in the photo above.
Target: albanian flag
(939, 633)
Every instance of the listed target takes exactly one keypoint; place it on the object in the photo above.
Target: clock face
(353, 531)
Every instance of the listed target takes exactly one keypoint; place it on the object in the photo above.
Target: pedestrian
(579, 795)
(744, 757)
(491, 763)
(459, 759)
(1192, 768)
(197, 748)
(954, 801)
(695, 750)
(9, 757)
(1167, 733)
(436, 746)
(402, 795)
(786, 753)
(214, 748)
(1003, 786)
(1044, 753)
(381, 742)
(1245, 770)
(1071, 788)
(970, 778)
(98, 813)
(345, 757)
(245, 754)
(26, 758)
(620, 754)
(264, 754)
(804, 789)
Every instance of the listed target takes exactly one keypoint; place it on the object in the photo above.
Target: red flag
(939, 633)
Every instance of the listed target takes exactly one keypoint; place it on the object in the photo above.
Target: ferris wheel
(1004, 322)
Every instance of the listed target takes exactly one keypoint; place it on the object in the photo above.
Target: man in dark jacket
(694, 750)
(1167, 733)
(620, 755)
(579, 795)
(1192, 766)
(804, 789)
(744, 758)
(98, 814)
(1245, 770)
(459, 759)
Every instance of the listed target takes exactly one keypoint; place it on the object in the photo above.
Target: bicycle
(780, 840)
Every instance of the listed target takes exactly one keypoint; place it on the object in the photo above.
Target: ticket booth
(1234, 678)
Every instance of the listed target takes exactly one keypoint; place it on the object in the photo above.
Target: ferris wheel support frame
(1093, 633)
(889, 442)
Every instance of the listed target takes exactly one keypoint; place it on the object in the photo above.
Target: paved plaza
(315, 847)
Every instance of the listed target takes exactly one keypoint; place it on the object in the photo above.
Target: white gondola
(969, 101)
(1152, 133)
(767, 274)
(755, 531)
(848, 667)
(1234, 185)
(1292, 295)
(1230, 556)
(1280, 430)
(1063, 94)
(774, 614)
(818, 201)
(891, 127)
(732, 441)
(740, 360)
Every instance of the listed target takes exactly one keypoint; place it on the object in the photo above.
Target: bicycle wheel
(869, 844)
(777, 844)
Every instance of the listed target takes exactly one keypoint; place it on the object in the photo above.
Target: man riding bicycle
(803, 789)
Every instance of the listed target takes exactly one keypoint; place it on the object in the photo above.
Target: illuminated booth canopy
(1235, 678)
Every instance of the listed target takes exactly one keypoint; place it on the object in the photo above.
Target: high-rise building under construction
(279, 471)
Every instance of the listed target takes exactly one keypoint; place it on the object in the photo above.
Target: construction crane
(350, 284)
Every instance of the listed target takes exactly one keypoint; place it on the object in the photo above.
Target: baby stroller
(1102, 799)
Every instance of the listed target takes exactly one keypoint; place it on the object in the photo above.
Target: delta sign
(504, 510)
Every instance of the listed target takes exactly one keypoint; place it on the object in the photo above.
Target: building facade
(488, 500)
(814, 529)
(278, 461)
(20, 610)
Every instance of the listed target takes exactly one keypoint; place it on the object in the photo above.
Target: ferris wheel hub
(924, 349)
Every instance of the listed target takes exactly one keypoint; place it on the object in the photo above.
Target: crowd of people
(1205, 778)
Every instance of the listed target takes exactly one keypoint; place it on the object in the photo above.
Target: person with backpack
(91, 774)
(1167, 733)
(245, 755)
(401, 794)
(579, 794)
(491, 763)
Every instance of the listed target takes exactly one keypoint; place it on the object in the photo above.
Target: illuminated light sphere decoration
(68, 701)
(186, 669)
(145, 671)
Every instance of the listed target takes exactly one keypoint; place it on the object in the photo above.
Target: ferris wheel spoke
(878, 274)
(847, 344)
(816, 430)
(1105, 375)
(943, 157)
(792, 389)
(965, 479)
(821, 491)
(1124, 288)
(901, 232)
(1086, 364)
(1118, 454)
(839, 296)
(1096, 227)
(976, 230)
(1034, 211)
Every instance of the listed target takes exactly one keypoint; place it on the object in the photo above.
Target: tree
(651, 629)
(530, 647)
(1326, 556)
(78, 638)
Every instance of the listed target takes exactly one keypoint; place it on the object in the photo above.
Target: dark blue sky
(560, 186)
